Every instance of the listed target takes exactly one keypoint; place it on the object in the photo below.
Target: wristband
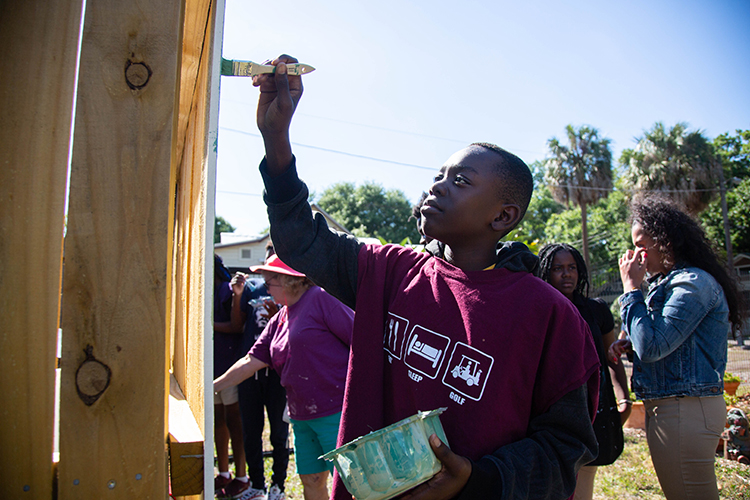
(626, 401)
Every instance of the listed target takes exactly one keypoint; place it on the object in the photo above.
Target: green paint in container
(392, 460)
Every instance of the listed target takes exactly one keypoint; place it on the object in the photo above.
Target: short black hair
(517, 181)
(547, 256)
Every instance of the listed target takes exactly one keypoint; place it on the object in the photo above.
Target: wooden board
(191, 286)
(116, 251)
(37, 74)
(185, 446)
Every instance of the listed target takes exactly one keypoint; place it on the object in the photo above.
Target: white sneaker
(275, 493)
(253, 494)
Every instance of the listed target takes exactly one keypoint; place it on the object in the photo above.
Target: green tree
(734, 151)
(369, 210)
(738, 211)
(609, 235)
(675, 161)
(580, 174)
(221, 226)
(541, 207)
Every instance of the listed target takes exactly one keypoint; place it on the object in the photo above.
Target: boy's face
(464, 204)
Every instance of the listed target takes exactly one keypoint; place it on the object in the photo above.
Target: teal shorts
(313, 438)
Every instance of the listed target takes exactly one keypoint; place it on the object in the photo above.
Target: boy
(471, 329)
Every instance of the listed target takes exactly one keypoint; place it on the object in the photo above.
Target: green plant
(730, 400)
(730, 377)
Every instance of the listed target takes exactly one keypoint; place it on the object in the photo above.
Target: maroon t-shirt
(495, 347)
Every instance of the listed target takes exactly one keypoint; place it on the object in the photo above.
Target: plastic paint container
(392, 460)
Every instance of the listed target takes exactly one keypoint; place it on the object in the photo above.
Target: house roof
(233, 240)
(742, 260)
(236, 240)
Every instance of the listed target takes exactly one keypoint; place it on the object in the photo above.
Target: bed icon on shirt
(425, 351)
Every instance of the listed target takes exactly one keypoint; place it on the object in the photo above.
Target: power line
(395, 131)
(421, 167)
(238, 193)
(335, 151)
(629, 190)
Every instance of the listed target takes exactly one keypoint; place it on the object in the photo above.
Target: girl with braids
(679, 333)
(563, 267)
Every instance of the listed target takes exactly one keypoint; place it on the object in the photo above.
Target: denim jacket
(679, 335)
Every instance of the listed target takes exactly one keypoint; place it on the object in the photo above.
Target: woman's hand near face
(632, 269)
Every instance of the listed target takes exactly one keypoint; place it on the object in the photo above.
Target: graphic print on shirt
(467, 371)
(395, 333)
(425, 351)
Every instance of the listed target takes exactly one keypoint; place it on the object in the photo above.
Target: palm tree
(580, 174)
(675, 161)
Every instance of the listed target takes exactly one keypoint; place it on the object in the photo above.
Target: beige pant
(585, 483)
(682, 437)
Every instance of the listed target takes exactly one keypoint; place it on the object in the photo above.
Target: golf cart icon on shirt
(468, 370)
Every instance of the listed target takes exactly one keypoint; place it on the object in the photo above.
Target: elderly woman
(679, 333)
(307, 343)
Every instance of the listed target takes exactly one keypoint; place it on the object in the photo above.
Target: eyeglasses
(272, 282)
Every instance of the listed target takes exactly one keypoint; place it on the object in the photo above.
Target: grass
(632, 477)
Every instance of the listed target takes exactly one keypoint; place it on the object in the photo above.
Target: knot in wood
(137, 74)
(92, 378)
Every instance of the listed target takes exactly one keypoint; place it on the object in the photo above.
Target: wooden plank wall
(114, 315)
(194, 180)
(137, 250)
(37, 75)
(188, 281)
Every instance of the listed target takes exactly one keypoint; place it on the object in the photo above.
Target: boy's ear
(507, 218)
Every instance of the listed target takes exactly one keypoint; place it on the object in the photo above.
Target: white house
(239, 251)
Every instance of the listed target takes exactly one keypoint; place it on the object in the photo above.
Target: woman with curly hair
(563, 267)
(678, 332)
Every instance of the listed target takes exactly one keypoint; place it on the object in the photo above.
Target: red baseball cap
(274, 265)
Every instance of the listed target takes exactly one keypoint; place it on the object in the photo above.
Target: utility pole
(727, 236)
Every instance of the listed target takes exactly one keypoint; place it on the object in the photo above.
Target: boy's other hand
(279, 95)
(449, 481)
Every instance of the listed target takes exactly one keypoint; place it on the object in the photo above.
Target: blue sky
(401, 85)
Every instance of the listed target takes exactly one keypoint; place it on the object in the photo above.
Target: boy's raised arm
(306, 244)
(279, 95)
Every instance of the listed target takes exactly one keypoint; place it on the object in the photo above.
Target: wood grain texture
(190, 286)
(37, 75)
(116, 251)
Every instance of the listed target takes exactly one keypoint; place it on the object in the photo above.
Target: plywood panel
(191, 180)
(194, 178)
(37, 74)
(114, 368)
